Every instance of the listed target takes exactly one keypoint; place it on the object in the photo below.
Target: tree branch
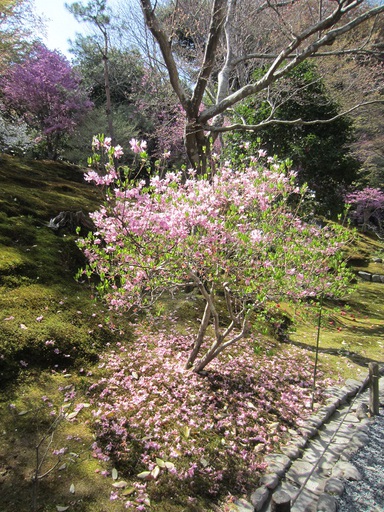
(275, 71)
(217, 20)
(166, 51)
(292, 122)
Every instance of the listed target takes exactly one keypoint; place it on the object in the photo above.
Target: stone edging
(368, 276)
(279, 463)
(372, 277)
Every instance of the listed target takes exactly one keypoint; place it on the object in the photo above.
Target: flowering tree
(237, 237)
(46, 93)
(366, 203)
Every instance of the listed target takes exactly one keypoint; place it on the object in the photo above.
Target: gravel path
(367, 494)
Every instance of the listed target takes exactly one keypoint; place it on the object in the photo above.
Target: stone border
(368, 276)
(279, 463)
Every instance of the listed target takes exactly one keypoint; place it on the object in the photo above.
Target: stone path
(313, 467)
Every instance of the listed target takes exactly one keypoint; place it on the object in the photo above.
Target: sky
(61, 25)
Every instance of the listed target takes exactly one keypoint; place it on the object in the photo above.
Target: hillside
(53, 335)
(38, 267)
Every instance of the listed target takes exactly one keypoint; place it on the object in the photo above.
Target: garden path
(314, 469)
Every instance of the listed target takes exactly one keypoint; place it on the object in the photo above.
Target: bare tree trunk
(197, 147)
(218, 346)
(108, 108)
(200, 336)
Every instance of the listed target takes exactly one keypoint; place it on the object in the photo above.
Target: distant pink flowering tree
(365, 204)
(237, 237)
(47, 94)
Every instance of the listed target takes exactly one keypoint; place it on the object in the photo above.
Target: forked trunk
(197, 147)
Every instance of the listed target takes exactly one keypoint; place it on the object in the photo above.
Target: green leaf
(155, 472)
(72, 415)
(115, 474)
(129, 491)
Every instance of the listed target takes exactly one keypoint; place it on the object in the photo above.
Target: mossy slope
(46, 317)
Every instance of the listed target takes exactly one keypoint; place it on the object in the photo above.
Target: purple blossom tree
(366, 203)
(46, 93)
(238, 238)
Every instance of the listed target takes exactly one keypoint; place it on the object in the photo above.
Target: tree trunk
(52, 153)
(108, 108)
(197, 147)
(200, 337)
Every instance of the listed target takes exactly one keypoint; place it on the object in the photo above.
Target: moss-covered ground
(52, 335)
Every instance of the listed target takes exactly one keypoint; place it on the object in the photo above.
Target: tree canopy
(292, 31)
(319, 152)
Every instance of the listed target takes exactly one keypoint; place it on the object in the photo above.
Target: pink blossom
(107, 142)
(118, 152)
(61, 451)
(95, 143)
(138, 146)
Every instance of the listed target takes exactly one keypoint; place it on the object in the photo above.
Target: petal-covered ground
(167, 428)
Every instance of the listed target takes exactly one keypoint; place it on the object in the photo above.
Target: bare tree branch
(166, 50)
(292, 122)
(275, 71)
(217, 22)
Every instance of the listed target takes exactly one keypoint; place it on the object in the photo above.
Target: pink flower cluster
(240, 231)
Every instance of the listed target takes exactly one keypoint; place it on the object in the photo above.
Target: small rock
(326, 411)
(348, 453)
(376, 278)
(377, 260)
(334, 486)
(366, 276)
(243, 506)
(277, 463)
(326, 503)
(270, 480)
(362, 411)
(300, 441)
(346, 471)
(308, 431)
(353, 383)
(315, 421)
(360, 439)
(299, 471)
(259, 498)
(292, 451)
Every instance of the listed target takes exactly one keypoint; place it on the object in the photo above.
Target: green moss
(25, 420)
(352, 332)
